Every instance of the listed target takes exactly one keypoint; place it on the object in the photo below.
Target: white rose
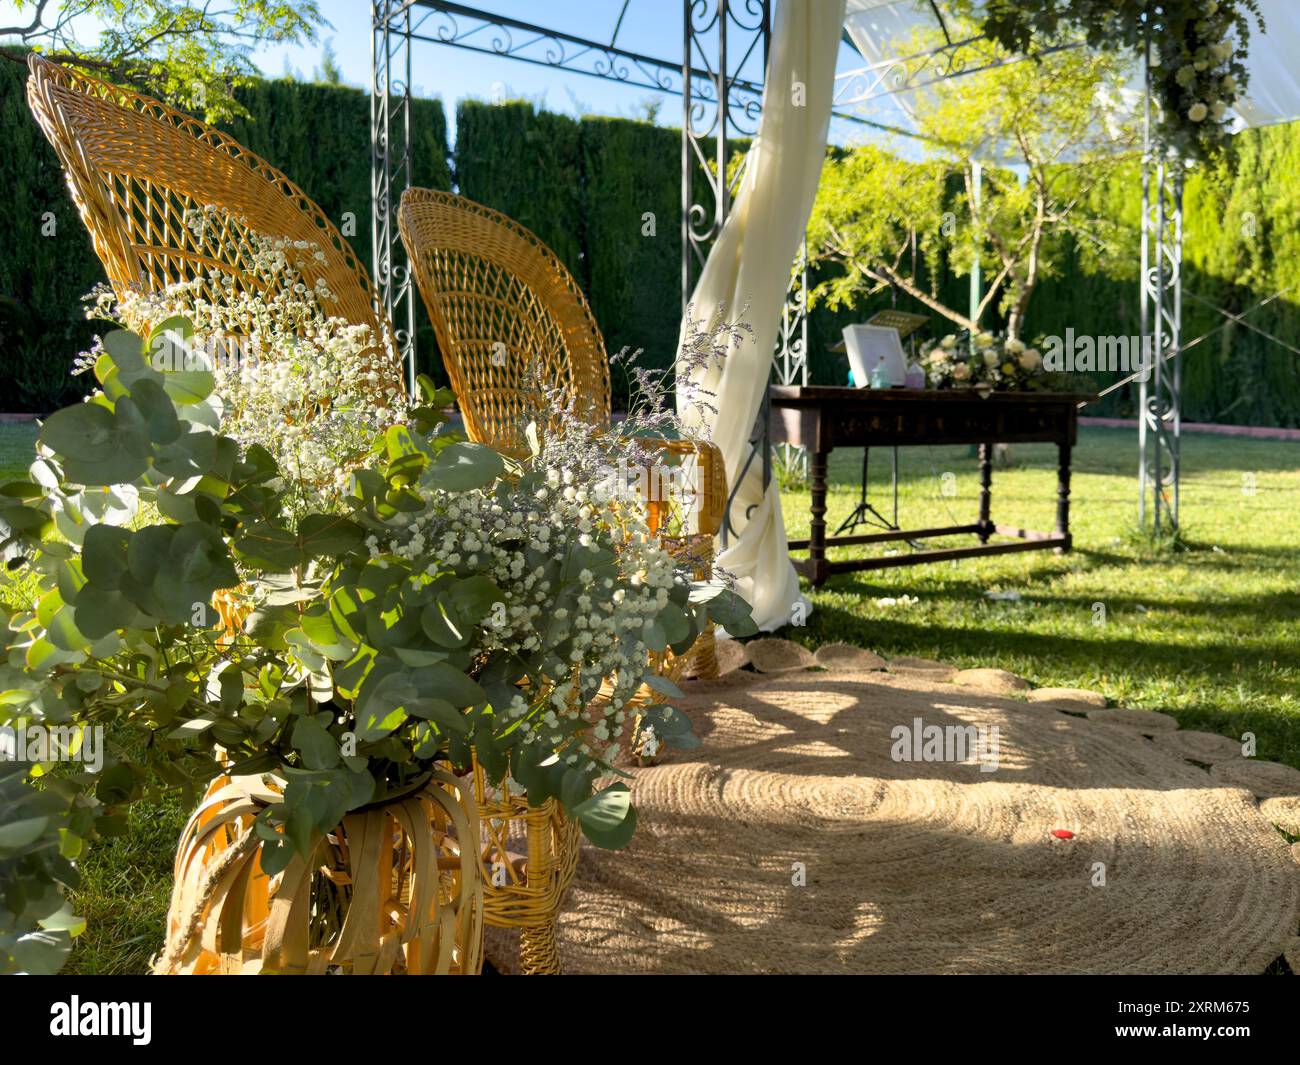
(1030, 360)
(1014, 347)
(1197, 112)
(991, 358)
(1218, 110)
(984, 339)
(1185, 76)
(949, 342)
(960, 372)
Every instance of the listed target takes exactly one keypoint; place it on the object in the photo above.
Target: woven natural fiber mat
(772, 655)
(1147, 722)
(922, 667)
(1283, 812)
(994, 681)
(790, 841)
(1073, 697)
(846, 656)
(731, 656)
(1207, 747)
(1266, 779)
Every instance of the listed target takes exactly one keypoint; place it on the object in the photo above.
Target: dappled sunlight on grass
(1209, 632)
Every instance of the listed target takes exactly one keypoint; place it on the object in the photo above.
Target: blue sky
(651, 27)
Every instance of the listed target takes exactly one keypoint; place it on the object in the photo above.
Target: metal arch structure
(1159, 385)
(390, 169)
(1160, 381)
(722, 40)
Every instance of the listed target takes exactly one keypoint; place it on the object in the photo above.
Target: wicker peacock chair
(136, 168)
(506, 312)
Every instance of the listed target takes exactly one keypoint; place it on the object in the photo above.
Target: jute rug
(792, 842)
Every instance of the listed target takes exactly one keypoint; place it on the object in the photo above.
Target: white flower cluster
(1203, 64)
(584, 627)
(310, 388)
(987, 360)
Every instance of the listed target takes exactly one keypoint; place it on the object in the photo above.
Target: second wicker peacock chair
(507, 312)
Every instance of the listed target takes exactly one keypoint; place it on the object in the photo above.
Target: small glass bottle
(880, 375)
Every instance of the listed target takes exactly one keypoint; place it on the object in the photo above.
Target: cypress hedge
(526, 163)
(633, 211)
(604, 193)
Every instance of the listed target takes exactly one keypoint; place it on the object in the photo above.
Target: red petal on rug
(1062, 833)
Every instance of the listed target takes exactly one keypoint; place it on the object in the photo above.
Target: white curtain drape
(748, 270)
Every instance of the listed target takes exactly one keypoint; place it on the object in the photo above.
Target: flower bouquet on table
(327, 630)
(986, 362)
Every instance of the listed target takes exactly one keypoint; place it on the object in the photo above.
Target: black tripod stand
(866, 514)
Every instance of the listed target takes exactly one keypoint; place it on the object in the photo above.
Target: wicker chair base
(389, 891)
(530, 855)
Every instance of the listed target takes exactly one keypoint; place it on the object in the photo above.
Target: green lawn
(1209, 632)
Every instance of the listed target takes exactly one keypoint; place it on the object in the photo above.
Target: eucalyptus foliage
(353, 671)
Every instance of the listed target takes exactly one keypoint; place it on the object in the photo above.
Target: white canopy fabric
(748, 270)
(1273, 90)
(879, 28)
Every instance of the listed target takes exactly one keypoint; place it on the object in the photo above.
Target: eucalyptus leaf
(607, 818)
(313, 741)
(465, 466)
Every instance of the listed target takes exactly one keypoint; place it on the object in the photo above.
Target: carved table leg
(1063, 498)
(986, 483)
(817, 534)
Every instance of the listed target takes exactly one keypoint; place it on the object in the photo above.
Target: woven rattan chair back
(511, 323)
(136, 167)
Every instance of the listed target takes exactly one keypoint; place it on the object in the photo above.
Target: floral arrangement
(311, 388)
(984, 361)
(183, 574)
(1197, 51)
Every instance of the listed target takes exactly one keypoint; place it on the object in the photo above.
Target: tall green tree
(1042, 131)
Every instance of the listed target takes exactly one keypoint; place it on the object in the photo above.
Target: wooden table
(821, 419)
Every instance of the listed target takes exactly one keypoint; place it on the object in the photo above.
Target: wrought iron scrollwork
(475, 30)
(390, 169)
(1160, 388)
(724, 55)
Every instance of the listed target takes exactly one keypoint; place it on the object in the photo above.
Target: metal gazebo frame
(719, 38)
